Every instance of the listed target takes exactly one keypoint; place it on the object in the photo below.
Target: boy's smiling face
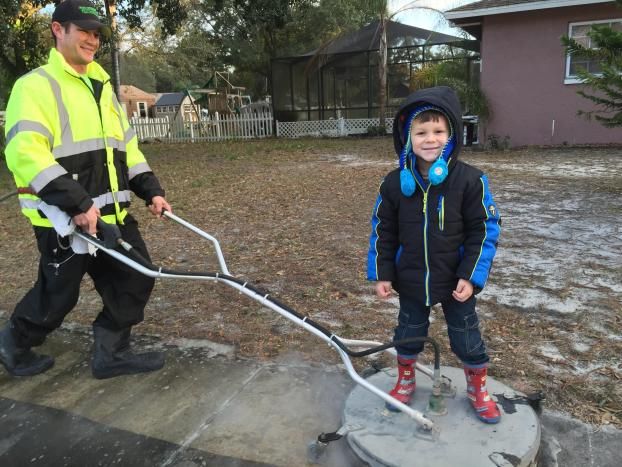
(429, 138)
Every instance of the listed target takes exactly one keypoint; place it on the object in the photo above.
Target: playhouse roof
(170, 98)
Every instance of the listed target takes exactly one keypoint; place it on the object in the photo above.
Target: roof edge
(538, 5)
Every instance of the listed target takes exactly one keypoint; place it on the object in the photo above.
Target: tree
(171, 13)
(137, 72)
(604, 88)
(454, 73)
(381, 8)
(248, 34)
(24, 40)
(23, 30)
(174, 63)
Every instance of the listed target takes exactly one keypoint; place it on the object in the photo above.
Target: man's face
(77, 45)
(429, 138)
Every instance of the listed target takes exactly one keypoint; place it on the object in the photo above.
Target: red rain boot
(485, 408)
(405, 386)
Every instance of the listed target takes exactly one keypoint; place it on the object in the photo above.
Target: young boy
(434, 235)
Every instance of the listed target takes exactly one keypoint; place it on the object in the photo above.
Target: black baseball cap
(82, 13)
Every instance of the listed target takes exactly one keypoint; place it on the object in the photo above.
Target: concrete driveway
(206, 408)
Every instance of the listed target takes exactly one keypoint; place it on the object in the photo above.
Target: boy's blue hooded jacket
(425, 242)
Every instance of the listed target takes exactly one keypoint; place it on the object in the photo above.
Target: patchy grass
(292, 217)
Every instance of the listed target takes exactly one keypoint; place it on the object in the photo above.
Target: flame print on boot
(405, 386)
(485, 408)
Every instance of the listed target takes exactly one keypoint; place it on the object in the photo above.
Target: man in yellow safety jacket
(69, 146)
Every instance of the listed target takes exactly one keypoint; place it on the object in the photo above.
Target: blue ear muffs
(407, 182)
(438, 171)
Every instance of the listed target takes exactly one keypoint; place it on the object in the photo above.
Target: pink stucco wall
(523, 68)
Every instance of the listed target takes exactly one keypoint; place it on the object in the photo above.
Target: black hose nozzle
(109, 234)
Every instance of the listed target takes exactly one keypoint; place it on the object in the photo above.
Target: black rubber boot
(112, 355)
(21, 361)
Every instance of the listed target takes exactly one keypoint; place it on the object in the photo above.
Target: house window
(579, 32)
(142, 109)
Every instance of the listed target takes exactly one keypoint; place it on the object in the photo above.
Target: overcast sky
(424, 18)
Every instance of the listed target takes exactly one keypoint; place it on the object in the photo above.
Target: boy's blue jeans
(462, 328)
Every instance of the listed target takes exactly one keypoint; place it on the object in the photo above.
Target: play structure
(438, 429)
(219, 95)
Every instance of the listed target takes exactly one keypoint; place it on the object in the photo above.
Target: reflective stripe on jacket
(71, 146)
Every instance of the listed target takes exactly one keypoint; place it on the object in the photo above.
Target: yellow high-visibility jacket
(71, 146)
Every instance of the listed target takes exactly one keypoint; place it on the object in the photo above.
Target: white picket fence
(246, 126)
(216, 128)
(331, 128)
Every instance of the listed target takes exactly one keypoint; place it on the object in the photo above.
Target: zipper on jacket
(425, 245)
(114, 193)
(101, 122)
(99, 110)
(440, 210)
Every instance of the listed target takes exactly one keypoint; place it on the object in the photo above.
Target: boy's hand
(383, 289)
(463, 291)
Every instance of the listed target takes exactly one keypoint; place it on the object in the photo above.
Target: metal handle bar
(248, 290)
(188, 225)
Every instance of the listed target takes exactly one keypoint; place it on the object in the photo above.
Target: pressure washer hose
(7, 196)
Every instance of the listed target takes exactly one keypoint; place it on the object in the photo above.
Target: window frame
(146, 108)
(573, 79)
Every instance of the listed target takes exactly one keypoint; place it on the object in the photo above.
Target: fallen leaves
(293, 219)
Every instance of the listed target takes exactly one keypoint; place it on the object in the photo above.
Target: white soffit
(541, 5)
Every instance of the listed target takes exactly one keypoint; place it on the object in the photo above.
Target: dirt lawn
(293, 217)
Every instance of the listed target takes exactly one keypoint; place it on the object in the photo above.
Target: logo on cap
(88, 10)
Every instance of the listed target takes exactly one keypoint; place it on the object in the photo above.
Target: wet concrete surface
(201, 409)
(205, 409)
(42, 436)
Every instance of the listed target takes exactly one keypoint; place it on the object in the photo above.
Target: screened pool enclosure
(340, 80)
